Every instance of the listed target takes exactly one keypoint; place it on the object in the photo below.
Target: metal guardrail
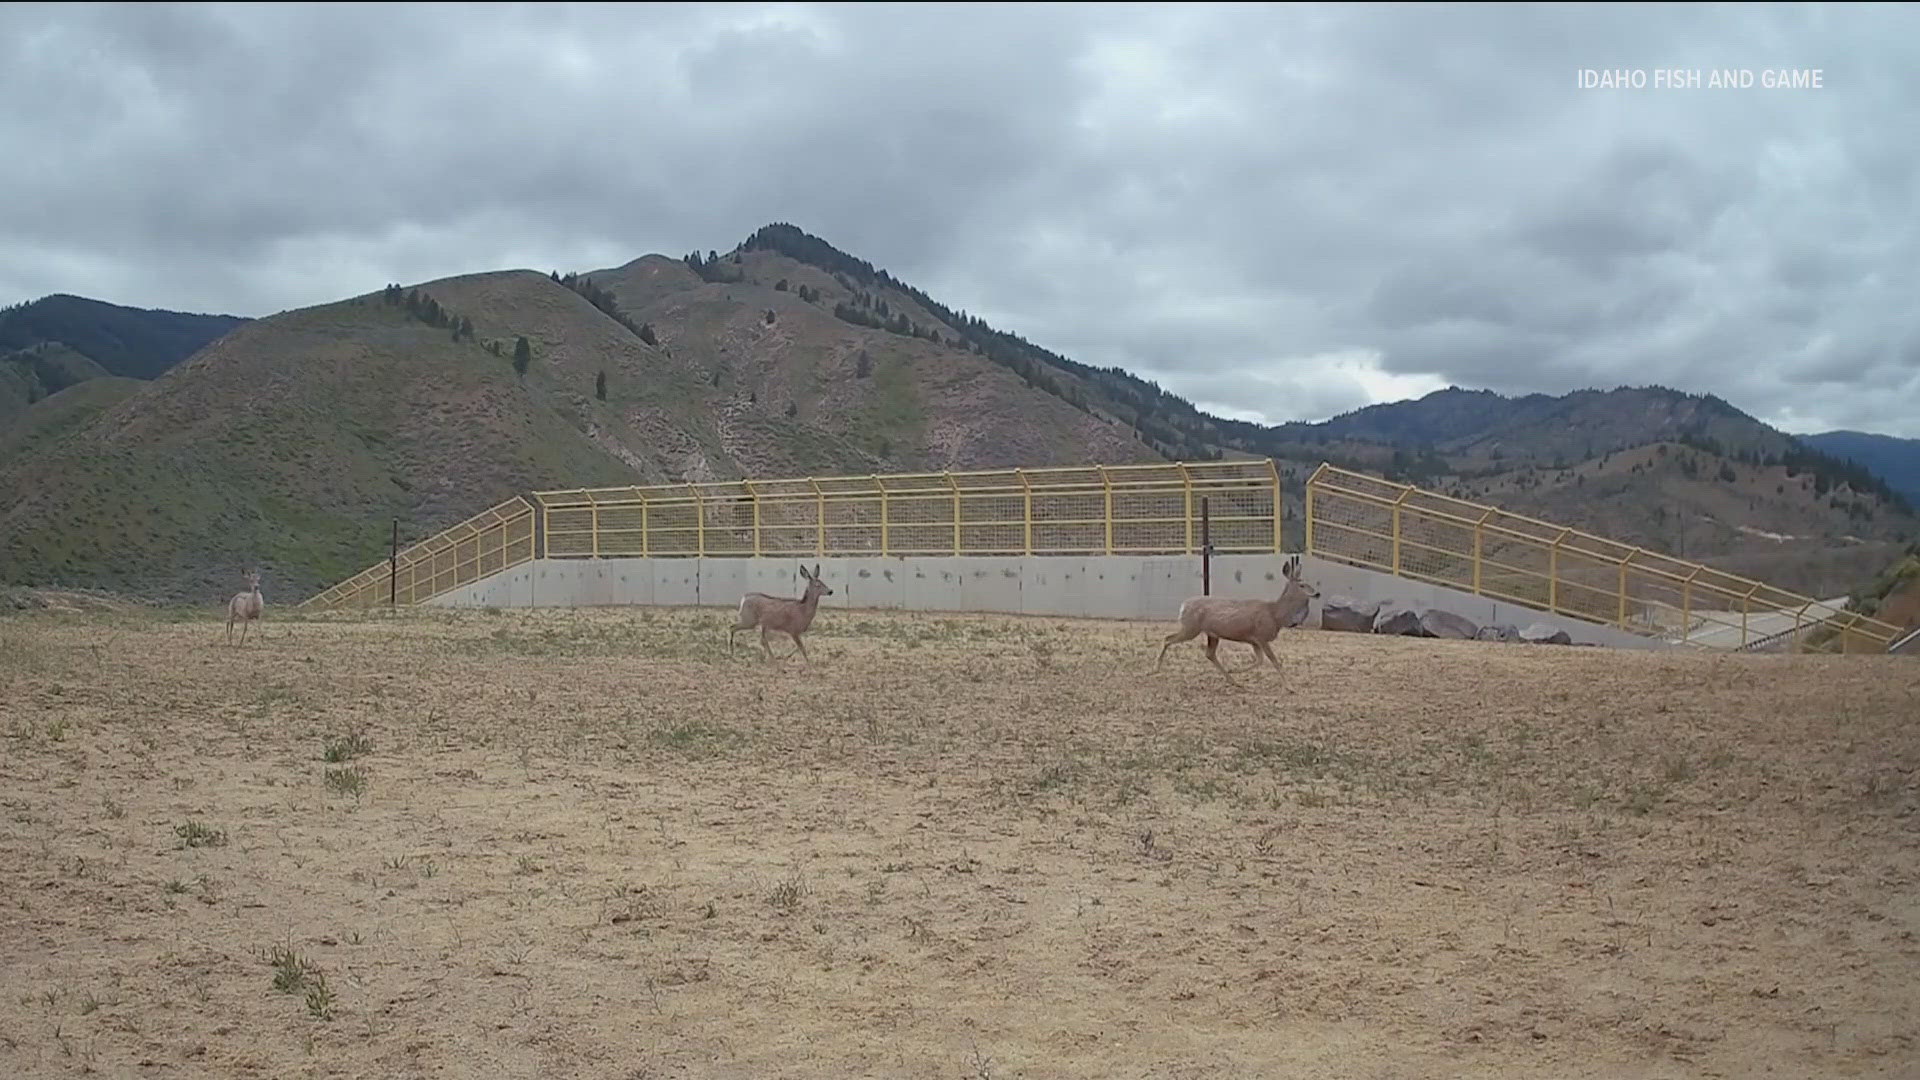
(1423, 535)
(1096, 510)
(1129, 510)
(488, 542)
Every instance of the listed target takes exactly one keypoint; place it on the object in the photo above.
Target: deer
(780, 615)
(245, 607)
(1251, 622)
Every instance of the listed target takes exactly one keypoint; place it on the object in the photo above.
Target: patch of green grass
(351, 780)
(695, 738)
(194, 834)
(319, 998)
(345, 747)
(788, 894)
(291, 971)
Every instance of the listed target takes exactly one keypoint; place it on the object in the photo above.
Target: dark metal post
(1206, 551)
(393, 568)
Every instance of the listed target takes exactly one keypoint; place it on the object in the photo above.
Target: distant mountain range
(292, 441)
(1897, 461)
(59, 341)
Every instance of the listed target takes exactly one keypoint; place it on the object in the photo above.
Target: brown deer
(245, 607)
(781, 615)
(1251, 622)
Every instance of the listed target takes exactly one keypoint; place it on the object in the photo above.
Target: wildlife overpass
(1118, 542)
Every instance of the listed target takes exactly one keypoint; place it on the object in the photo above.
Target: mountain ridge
(294, 440)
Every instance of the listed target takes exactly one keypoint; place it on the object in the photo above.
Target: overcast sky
(1280, 213)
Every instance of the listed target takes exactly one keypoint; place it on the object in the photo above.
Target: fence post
(1746, 605)
(1621, 617)
(755, 496)
(393, 568)
(1026, 511)
(1553, 573)
(884, 516)
(1396, 528)
(1186, 485)
(1206, 551)
(1106, 482)
(594, 504)
(956, 512)
(1273, 471)
(699, 522)
(819, 518)
(1479, 549)
(1311, 550)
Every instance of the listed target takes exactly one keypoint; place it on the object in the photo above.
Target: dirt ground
(588, 844)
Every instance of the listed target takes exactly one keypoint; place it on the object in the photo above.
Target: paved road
(1722, 628)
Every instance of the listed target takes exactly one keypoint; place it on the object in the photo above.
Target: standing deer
(1251, 622)
(245, 607)
(781, 615)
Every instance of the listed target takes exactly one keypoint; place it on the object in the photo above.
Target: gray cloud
(1282, 212)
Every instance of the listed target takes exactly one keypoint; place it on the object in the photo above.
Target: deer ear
(816, 570)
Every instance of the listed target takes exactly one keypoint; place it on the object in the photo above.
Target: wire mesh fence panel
(1080, 510)
(495, 539)
(1403, 530)
(1069, 523)
(993, 524)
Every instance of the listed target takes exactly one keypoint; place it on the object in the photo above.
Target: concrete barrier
(1101, 587)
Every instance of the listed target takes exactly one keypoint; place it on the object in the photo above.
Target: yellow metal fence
(1403, 530)
(486, 543)
(1098, 510)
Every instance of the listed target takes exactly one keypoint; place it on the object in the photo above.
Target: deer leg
(243, 632)
(1267, 647)
(802, 647)
(1213, 655)
(730, 634)
(1175, 638)
(764, 647)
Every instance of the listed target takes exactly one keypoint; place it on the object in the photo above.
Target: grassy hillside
(61, 414)
(132, 342)
(1779, 523)
(39, 371)
(767, 340)
(292, 442)
(289, 444)
(1894, 595)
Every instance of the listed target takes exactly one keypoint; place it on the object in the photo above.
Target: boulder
(1445, 624)
(1398, 619)
(1347, 614)
(1502, 632)
(1542, 634)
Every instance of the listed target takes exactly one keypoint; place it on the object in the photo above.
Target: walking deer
(245, 607)
(780, 615)
(1250, 622)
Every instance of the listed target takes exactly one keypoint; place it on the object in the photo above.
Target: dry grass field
(588, 844)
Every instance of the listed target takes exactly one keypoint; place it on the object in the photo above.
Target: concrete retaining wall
(1101, 587)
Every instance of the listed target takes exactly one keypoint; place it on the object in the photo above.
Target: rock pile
(1348, 615)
